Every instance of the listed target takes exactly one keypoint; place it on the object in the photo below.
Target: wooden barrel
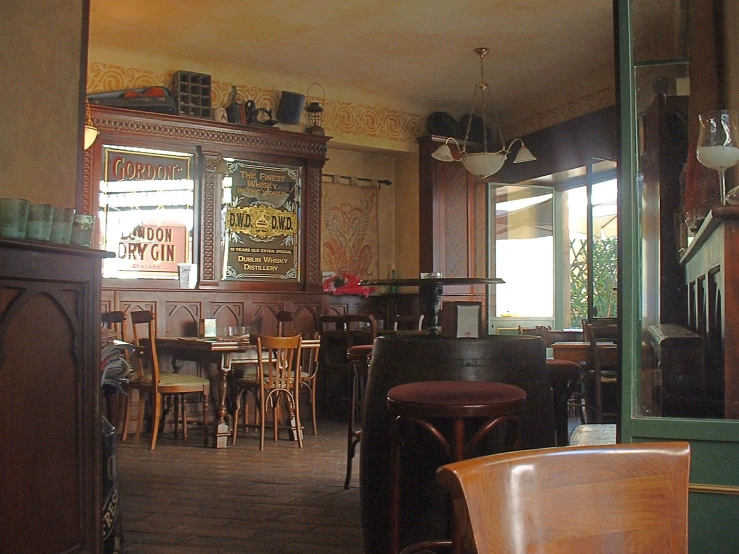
(398, 359)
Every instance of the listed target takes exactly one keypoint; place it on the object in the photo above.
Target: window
(555, 273)
(146, 212)
(524, 251)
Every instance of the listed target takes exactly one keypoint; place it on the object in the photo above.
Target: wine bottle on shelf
(393, 288)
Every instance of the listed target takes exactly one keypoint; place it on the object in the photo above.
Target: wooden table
(577, 351)
(430, 290)
(223, 353)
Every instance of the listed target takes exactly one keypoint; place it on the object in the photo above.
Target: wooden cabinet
(453, 215)
(50, 442)
(712, 276)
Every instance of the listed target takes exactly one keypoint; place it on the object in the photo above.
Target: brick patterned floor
(186, 499)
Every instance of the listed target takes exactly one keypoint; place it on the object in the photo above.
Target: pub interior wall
(356, 149)
(39, 112)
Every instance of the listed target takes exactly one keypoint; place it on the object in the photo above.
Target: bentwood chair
(309, 362)
(618, 498)
(149, 380)
(277, 379)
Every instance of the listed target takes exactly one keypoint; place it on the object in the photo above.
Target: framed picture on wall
(461, 319)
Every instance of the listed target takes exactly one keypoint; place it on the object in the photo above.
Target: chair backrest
(362, 323)
(331, 323)
(144, 325)
(598, 333)
(610, 498)
(278, 361)
(309, 356)
(284, 323)
(115, 320)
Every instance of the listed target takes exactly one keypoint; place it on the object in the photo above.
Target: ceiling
(415, 55)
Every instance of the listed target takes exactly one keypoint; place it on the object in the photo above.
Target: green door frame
(714, 493)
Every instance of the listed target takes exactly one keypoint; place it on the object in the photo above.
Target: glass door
(677, 60)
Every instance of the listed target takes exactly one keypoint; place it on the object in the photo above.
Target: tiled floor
(187, 499)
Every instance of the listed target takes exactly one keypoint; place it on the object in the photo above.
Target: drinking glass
(717, 143)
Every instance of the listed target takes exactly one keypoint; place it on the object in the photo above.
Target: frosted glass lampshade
(443, 153)
(91, 133)
(484, 164)
(524, 155)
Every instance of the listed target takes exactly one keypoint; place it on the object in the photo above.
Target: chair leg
(262, 408)
(275, 415)
(156, 416)
(206, 419)
(293, 408)
(184, 418)
(140, 423)
(352, 436)
(313, 407)
(127, 415)
(237, 405)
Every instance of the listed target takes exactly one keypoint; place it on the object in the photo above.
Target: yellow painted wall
(376, 167)
(40, 121)
(367, 141)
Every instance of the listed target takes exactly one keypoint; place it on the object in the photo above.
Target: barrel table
(398, 359)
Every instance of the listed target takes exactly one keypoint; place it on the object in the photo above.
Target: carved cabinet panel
(50, 443)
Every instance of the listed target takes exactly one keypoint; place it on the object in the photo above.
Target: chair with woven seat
(157, 385)
(277, 379)
(624, 497)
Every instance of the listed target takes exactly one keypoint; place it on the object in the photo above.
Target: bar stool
(455, 401)
(565, 376)
(359, 358)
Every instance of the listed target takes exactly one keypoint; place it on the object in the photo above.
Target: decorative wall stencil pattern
(103, 77)
(339, 117)
(349, 230)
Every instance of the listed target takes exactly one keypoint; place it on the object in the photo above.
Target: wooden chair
(149, 380)
(277, 379)
(284, 323)
(601, 372)
(309, 363)
(115, 322)
(618, 498)
(359, 359)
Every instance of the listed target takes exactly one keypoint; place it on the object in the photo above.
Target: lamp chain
(483, 87)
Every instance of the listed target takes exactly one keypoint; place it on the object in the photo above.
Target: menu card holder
(461, 320)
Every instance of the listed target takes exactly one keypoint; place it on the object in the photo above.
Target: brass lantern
(315, 113)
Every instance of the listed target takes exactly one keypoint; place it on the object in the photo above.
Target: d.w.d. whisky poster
(261, 221)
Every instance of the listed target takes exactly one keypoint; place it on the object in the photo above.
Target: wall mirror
(146, 212)
(261, 221)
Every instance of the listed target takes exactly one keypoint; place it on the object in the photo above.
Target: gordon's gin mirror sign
(153, 246)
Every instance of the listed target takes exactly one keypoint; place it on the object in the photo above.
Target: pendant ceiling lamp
(485, 163)
(91, 133)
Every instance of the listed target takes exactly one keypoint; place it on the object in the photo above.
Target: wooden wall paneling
(228, 313)
(312, 238)
(209, 232)
(263, 320)
(182, 317)
(305, 316)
